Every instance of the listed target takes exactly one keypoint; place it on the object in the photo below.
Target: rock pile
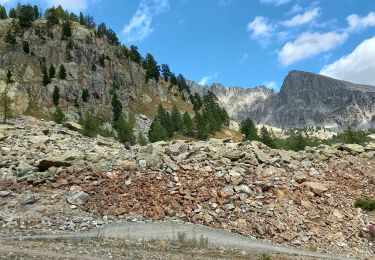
(302, 199)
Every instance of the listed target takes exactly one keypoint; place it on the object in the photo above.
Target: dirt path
(168, 231)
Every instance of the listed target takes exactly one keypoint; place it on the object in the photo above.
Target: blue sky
(244, 42)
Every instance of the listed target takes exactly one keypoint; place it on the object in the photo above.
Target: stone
(128, 165)
(78, 198)
(29, 199)
(235, 178)
(5, 193)
(72, 126)
(142, 163)
(316, 187)
(25, 169)
(262, 157)
(228, 190)
(353, 148)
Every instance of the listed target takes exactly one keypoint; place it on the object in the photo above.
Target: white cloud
(310, 44)
(71, 5)
(357, 23)
(301, 19)
(271, 85)
(204, 81)
(259, 27)
(275, 2)
(140, 26)
(358, 66)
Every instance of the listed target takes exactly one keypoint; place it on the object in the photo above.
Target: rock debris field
(54, 180)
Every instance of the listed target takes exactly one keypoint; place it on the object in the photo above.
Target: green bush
(365, 204)
(91, 124)
(58, 116)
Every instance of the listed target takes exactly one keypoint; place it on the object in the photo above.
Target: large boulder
(316, 187)
(64, 159)
(73, 126)
(353, 148)
(78, 198)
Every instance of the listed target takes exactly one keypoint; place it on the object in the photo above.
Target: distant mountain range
(305, 99)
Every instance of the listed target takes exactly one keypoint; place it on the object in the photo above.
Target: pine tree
(62, 72)
(85, 95)
(124, 51)
(166, 72)
(36, 12)
(3, 13)
(102, 60)
(66, 30)
(9, 77)
(25, 47)
(176, 119)
(134, 54)
(249, 130)
(188, 125)
(201, 131)
(91, 124)
(173, 79)
(5, 104)
(52, 17)
(56, 96)
(157, 132)
(81, 18)
(125, 130)
(52, 71)
(62, 14)
(152, 68)
(266, 138)
(116, 108)
(165, 119)
(10, 38)
(58, 116)
(141, 140)
(73, 17)
(12, 13)
(26, 16)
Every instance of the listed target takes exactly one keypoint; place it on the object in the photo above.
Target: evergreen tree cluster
(209, 120)
(102, 31)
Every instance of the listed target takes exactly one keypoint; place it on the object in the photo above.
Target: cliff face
(305, 99)
(84, 71)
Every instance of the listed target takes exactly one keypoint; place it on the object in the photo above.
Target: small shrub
(58, 116)
(91, 124)
(265, 257)
(365, 204)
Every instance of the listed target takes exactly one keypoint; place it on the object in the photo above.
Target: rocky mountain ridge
(305, 99)
(92, 64)
(65, 181)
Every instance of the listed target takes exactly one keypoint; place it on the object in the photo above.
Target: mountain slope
(92, 63)
(305, 99)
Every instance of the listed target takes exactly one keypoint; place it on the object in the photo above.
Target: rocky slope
(305, 100)
(84, 72)
(52, 179)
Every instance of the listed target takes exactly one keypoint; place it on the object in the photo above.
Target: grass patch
(365, 204)
(265, 257)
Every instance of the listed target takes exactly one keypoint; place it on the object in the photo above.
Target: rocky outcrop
(305, 99)
(84, 70)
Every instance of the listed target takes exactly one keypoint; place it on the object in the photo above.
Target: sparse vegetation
(5, 104)
(62, 72)
(56, 96)
(365, 204)
(58, 116)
